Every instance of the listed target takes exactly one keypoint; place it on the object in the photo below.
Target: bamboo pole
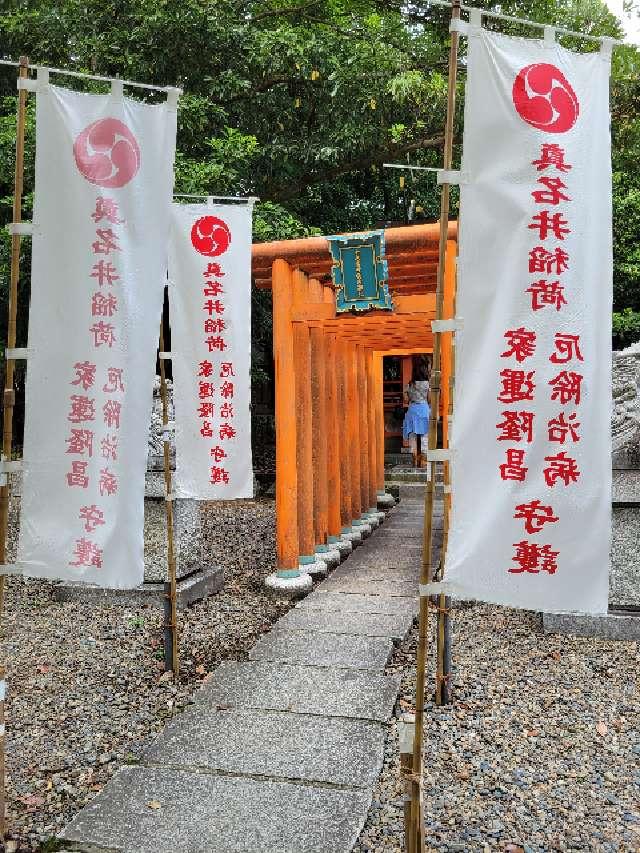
(417, 817)
(171, 659)
(443, 691)
(9, 396)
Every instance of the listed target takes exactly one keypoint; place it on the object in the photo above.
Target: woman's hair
(419, 371)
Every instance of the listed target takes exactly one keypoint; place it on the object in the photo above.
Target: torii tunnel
(329, 414)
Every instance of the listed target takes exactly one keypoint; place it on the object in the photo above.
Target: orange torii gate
(329, 412)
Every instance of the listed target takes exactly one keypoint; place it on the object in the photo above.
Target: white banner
(210, 309)
(104, 179)
(531, 442)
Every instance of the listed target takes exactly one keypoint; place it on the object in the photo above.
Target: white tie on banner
(104, 178)
(210, 309)
(531, 464)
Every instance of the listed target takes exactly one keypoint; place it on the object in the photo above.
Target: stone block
(315, 649)
(341, 622)
(190, 589)
(274, 744)
(200, 812)
(613, 626)
(370, 585)
(355, 603)
(624, 581)
(328, 692)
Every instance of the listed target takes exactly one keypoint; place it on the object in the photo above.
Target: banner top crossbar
(251, 199)
(489, 13)
(82, 75)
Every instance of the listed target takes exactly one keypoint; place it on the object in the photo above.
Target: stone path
(279, 753)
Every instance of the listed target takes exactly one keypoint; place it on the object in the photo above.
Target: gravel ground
(86, 686)
(540, 752)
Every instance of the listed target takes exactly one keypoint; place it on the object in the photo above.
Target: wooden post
(334, 424)
(9, 391)
(353, 425)
(417, 817)
(171, 659)
(344, 437)
(363, 408)
(379, 422)
(319, 422)
(286, 421)
(372, 424)
(303, 406)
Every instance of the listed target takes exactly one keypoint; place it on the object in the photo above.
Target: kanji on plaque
(531, 466)
(211, 345)
(104, 179)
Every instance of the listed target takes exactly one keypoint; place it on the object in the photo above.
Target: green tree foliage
(302, 102)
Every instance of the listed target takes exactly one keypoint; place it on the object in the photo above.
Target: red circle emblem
(107, 153)
(210, 236)
(544, 98)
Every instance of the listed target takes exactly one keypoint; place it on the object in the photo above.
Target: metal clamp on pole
(426, 590)
(451, 176)
(173, 94)
(165, 356)
(27, 84)
(457, 25)
(19, 229)
(439, 455)
(454, 325)
(16, 353)
(606, 48)
(9, 467)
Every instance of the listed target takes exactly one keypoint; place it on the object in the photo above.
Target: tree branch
(372, 158)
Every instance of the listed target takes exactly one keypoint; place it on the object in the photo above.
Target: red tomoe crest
(210, 236)
(107, 153)
(544, 98)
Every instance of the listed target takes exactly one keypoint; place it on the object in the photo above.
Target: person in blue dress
(416, 420)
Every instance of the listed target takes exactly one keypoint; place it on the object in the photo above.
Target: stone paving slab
(370, 586)
(371, 572)
(201, 812)
(276, 744)
(355, 603)
(362, 624)
(316, 649)
(302, 690)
